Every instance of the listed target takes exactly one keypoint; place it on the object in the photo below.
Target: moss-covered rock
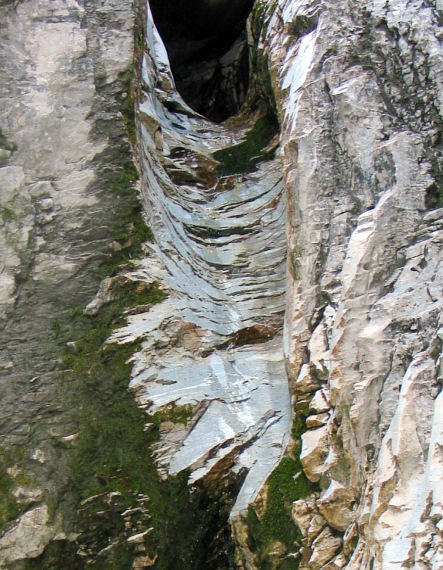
(244, 157)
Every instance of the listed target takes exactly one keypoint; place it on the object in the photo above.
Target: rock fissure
(208, 52)
(299, 394)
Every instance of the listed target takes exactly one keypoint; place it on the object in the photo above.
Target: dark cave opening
(207, 47)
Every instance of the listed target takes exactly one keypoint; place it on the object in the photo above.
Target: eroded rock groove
(221, 253)
(297, 245)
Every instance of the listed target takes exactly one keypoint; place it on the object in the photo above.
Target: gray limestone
(321, 270)
(62, 67)
(221, 253)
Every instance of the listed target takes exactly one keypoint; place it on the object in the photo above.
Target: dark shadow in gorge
(208, 52)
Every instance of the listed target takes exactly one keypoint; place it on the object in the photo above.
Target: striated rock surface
(303, 282)
(358, 88)
(216, 343)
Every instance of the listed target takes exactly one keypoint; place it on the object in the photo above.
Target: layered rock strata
(216, 343)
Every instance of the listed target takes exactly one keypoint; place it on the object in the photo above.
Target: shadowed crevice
(208, 52)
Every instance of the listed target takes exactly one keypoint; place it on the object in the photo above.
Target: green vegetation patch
(110, 464)
(123, 181)
(5, 144)
(434, 196)
(244, 157)
(96, 378)
(131, 230)
(175, 414)
(8, 215)
(128, 104)
(9, 506)
(286, 484)
(261, 89)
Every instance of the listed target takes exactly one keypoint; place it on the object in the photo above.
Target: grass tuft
(9, 507)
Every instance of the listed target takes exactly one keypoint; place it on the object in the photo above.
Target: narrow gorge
(221, 231)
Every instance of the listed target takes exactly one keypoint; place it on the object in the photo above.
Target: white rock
(314, 452)
(28, 538)
(320, 402)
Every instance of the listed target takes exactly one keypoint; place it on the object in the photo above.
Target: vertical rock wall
(360, 92)
(64, 69)
(358, 176)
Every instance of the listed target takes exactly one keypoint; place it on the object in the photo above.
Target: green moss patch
(434, 196)
(8, 215)
(286, 484)
(131, 230)
(244, 157)
(5, 144)
(128, 106)
(110, 464)
(175, 414)
(9, 507)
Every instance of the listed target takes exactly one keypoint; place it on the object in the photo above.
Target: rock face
(359, 86)
(303, 270)
(63, 73)
(216, 343)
